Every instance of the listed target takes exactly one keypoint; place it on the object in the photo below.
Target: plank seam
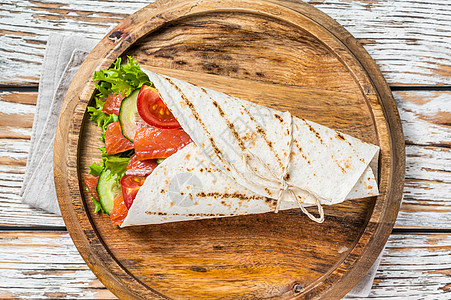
(18, 88)
(404, 231)
(442, 88)
(34, 88)
(395, 231)
(33, 228)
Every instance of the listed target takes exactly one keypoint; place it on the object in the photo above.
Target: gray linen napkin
(63, 57)
(363, 288)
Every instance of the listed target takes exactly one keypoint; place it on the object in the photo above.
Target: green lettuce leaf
(95, 169)
(97, 116)
(97, 206)
(117, 164)
(120, 78)
(102, 119)
(111, 119)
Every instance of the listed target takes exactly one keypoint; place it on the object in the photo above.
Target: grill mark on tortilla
(341, 137)
(263, 134)
(341, 168)
(301, 151)
(188, 215)
(300, 199)
(314, 131)
(347, 164)
(229, 124)
(305, 157)
(270, 201)
(231, 195)
(197, 117)
(278, 118)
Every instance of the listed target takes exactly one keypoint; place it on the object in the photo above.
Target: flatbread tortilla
(209, 178)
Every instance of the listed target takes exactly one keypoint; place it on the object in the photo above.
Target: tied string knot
(281, 183)
(285, 188)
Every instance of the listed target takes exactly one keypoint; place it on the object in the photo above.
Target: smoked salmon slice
(154, 142)
(138, 167)
(112, 104)
(120, 211)
(91, 184)
(115, 142)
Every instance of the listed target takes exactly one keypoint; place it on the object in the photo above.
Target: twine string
(281, 183)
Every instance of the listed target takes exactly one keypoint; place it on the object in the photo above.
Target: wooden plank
(27, 24)
(14, 211)
(46, 264)
(414, 266)
(16, 120)
(425, 116)
(426, 119)
(409, 39)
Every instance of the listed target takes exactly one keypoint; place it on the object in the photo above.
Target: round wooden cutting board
(282, 54)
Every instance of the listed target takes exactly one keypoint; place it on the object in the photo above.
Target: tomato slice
(153, 142)
(115, 142)
(91, 184)
(138, 167)
(119, 212)
(112, 104)
(130, 186)
(153, 110)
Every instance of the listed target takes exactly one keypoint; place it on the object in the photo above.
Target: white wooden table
(410, 41)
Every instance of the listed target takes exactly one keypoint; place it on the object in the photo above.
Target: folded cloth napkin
(63, 57)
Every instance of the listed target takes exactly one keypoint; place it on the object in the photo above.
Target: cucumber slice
(129, 117)
(107, 189)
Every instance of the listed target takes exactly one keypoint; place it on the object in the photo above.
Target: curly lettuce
(119, 79)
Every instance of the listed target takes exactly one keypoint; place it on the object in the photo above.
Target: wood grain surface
(427, 189)
(47, 265)
(280, 54)
(409, 39)
(410, 42)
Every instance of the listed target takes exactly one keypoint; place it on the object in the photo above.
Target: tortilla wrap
(211, 178)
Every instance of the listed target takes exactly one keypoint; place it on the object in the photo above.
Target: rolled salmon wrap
(248, 159)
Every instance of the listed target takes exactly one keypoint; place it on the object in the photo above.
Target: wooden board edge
(61, 168)
(384, 228)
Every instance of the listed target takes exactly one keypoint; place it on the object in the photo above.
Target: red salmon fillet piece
(120, 211)
(115, 142)
(112, 104)
(153, 142)
(91, 183)
(138, 167)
